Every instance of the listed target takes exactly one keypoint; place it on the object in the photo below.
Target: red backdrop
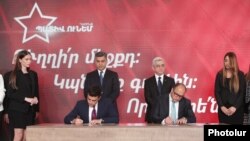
(192, 36)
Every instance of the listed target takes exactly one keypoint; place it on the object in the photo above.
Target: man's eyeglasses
(178, 95)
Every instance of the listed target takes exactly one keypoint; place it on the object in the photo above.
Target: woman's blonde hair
(234, 81)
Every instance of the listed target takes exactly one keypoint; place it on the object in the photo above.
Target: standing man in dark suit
(157, 85)
(94, 110)
(174, 108)
(108, 80)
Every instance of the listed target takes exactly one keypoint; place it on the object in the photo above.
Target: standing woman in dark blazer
(230, 91)
(247, 100)
(22, 93)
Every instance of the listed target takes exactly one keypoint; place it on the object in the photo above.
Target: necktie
(101, 77)
(93, 116)
(159, 84)
(173, 112)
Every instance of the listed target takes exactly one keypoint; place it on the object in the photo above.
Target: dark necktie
(101, 77)
(93, 115)
(159, 84)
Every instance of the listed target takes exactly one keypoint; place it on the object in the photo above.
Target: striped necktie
(93, 115)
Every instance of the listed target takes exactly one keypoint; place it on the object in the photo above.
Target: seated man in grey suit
(94, 110)
(174, 108)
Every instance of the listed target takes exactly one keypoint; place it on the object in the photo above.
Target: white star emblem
(36, 34)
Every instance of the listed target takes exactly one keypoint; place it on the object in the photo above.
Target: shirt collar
(103, 71)
(96, 106)
(156, 76)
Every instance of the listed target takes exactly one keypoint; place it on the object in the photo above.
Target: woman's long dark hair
(18, 66)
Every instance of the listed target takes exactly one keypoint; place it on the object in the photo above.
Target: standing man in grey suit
(157, 85)
(106, 79)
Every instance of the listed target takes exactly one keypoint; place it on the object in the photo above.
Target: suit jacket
(151, 92)
(26, 88)
(110, 87)
(106, 111)
(161, 110)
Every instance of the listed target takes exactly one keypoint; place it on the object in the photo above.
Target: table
(113, 132)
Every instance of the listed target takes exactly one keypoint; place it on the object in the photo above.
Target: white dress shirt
(2, 92)
(90, 111)
(170, 109)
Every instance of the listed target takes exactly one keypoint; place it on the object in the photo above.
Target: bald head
(178, 92)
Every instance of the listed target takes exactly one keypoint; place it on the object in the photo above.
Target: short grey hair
(157, 59)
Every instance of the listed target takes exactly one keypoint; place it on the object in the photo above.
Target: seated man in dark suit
(94, 110)
(174, 108)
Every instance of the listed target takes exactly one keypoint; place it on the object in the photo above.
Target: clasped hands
(228, 111)
(79, 121)
(32, 101)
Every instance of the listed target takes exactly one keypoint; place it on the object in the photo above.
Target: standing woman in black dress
(230, 91)
(22, 93)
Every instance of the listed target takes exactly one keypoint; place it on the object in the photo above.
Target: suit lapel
(97, 77)
(32, 77)
(105, 77)
(164, 105)
(154, 85)
(99, 110)
(165, 82)
(86, 115)
(166, 85)
(181, 107)
(22, 78)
